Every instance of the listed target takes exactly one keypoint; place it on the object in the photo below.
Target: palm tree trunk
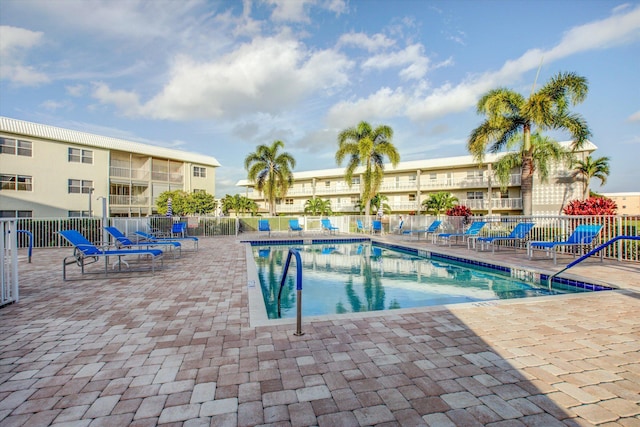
(526, 184)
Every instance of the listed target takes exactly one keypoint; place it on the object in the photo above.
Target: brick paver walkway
(177, 349)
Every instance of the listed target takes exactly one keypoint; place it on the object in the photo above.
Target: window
(16, 182)
(16, 214)
(504, 194)
(80, 186)
(198, 171)
(412, 197)
(473, 174)
(477, 195)
(327, 183)
(288, 201)
(413, 178)
(198, 190)
(13, 146)
(355, 181)
(77, 155)
(78, 214)
(433, 176)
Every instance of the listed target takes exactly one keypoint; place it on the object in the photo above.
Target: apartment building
(628, 203)
(410, 183)
(46, 171)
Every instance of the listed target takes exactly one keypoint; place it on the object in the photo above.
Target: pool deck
(177, 348)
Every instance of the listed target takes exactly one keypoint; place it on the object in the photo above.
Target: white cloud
(635, 117)
(412, 58)
(52, 105)
(361, 40)
(15, 44)
(384, 103)
(288, 10)
(76, 90)
(267, 75)
(127, 102)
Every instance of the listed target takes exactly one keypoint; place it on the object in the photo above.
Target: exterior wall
(129, 180)
(628, 203)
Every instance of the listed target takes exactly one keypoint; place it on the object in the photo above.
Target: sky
(221, 77)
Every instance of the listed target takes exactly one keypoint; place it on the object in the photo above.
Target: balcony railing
(166, 176)
(118, 200)
(399, 186)
(515, 203)
(138, 174)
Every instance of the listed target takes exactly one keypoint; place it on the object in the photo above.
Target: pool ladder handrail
(296, 254)
(591, 252)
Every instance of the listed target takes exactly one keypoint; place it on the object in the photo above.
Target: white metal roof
(37, 130)
(413, 165)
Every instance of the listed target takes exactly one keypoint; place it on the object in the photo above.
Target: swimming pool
(358, 277)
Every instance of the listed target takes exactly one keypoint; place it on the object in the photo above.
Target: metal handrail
(295, 253)
(591, 252)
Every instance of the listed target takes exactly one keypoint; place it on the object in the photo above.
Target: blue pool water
(357, 277)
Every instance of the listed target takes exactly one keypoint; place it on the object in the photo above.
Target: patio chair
(399, 229)
(328, 227)
(85, 253)
(263, 226)
(294, 227)
(472, 231)
(376, 227)
(429, 230)
(583, 235)
(122, 241)
(153, 238)
(361, 228)
(518, 235)
(179, 229)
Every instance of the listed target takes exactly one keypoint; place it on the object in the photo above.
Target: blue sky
(221, 77)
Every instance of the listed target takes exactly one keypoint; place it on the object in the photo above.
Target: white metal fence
(9, 265)
(547, 228)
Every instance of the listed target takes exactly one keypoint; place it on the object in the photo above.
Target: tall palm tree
(439, 202)
(591, 168)
(367, 147)
(271, 171)
(544, 150)
(508, 113)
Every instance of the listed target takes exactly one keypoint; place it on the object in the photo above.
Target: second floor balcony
(134, 174)
(483, 204)
(121, 200)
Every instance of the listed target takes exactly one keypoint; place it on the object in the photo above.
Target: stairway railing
(294, 252)
(591, 252)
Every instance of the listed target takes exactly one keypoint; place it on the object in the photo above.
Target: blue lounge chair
(360, 228)
(472, 231)
(153, 238)
(294, 227)
(429, 230)
(263, 226)
(85, 253)
(122, 241)
(328, 227)
(582, 235)
(376, 227)
(518, 235)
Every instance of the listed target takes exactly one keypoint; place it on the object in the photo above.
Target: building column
(490, 188)
(418, 192)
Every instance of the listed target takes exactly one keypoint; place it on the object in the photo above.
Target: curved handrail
(295, 253)
(591, 252)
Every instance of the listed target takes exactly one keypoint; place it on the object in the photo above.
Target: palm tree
(272, 172)
(378, 202)
(508, 113)
(239, 204)
(544, 150)
(367, 147)
(591, 168)
(317, 206)
(439, 202)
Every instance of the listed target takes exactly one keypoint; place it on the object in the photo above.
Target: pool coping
(258, 311)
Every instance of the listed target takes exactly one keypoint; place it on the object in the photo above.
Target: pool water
(357, 277)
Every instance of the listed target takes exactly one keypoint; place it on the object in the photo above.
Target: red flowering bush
(460, 210)
(591, 206)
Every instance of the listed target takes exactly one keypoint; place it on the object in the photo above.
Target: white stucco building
(46, 171)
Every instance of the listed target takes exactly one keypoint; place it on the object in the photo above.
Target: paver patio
(177, 348)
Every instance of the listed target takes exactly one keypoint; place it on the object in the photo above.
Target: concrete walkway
(177, 349)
